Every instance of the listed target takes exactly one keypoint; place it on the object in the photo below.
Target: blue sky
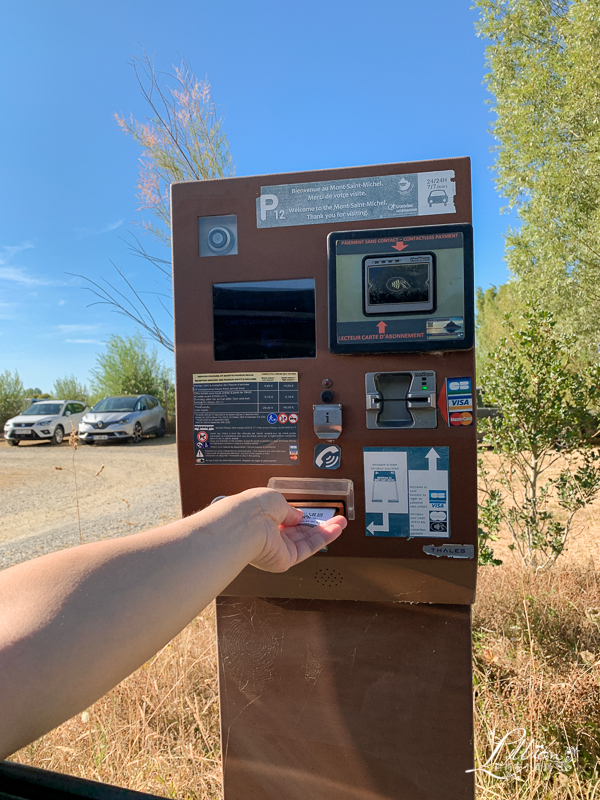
(311, 85)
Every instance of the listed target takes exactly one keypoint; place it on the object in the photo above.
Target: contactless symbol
(202, 436)
(282, 418)
(327, 456)
(272, 419)
(438, 527)
(293, 418)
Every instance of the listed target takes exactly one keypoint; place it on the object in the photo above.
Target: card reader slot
(401, 400)
(392, 389)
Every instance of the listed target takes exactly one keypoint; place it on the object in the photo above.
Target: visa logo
(464, 402)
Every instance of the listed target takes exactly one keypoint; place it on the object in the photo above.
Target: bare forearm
(75, 623)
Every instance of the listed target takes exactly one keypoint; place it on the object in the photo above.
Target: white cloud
(19, 275)
(84, 341)
(98, 231)
(10, 250)
(77, 328)
(61, 302)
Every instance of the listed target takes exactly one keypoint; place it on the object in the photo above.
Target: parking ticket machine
(324, 348)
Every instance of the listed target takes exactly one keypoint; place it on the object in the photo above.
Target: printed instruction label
(246, 418)
(385, 197)
(407, 492)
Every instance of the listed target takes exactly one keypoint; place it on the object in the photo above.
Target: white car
(126, 418)
(45, 420)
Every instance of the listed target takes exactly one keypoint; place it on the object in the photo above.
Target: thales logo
(397, 284)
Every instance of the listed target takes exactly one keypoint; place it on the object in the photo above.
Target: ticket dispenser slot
(401, 400)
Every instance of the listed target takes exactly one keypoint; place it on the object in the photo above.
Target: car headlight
(124, 421)
(86, 420)
(44, 422)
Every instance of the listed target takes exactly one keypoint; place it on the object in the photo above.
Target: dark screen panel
(264, 319)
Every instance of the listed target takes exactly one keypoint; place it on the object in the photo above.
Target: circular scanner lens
(219, 240)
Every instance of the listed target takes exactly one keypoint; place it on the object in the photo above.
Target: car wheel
(58, 435)
(161, 429)
(137, 433)
(13, 442)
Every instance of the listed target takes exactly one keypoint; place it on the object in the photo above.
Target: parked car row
(128, 418)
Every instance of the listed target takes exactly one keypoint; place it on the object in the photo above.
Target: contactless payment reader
(324, 348)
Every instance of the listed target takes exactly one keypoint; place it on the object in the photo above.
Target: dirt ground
(122, 488)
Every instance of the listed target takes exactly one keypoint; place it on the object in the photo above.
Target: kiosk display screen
(398, 285)
(264, 319)
(401, 289)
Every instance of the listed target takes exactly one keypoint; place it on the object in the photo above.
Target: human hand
(285, 542)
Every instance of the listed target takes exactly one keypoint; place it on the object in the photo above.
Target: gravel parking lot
(136, 489)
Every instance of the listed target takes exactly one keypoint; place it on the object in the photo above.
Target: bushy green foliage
(492, 306)
(12, 395)
(128, 368)
(37, 394)
(543, 402)
(543, 58)
(69, 388)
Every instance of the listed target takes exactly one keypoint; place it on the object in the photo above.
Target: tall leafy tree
(69, 388)
(544, 74)
(541, 431)
(182, 140)
(128, 368)
(493, 305)
(12, 395)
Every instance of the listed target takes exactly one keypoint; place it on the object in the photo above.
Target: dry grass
(537, 683)
(158, 731)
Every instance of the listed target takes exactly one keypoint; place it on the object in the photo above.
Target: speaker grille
(328, 577)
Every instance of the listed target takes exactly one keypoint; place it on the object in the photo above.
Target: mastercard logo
(462, 418)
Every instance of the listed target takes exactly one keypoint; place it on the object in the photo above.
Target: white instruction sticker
(406, 492)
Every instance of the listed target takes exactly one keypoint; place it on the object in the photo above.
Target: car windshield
(116, 404)
(43, 409)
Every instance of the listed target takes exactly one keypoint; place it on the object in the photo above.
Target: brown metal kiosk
(323, 340)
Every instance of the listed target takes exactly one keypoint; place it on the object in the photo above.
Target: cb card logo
(327, 456)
